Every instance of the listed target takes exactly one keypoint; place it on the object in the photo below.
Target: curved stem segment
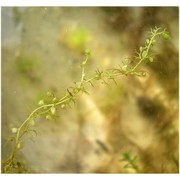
(109, 74)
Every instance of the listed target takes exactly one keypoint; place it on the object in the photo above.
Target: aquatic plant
(131, 162)
(48, 109)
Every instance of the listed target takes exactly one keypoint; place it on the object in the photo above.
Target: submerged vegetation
(48, 108)
(130, 162)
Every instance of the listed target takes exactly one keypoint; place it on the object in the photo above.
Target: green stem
(83, 69)
(145, 56)
(108, 74)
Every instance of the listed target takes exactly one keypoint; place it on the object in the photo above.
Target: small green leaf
(41, 103)
(124, 68)
(48, 117)
(63, 106)
(147, 41)
(53, 110)
(54, 99)
(141, 48)
(87, 52)
(165, 35)
(144, 54)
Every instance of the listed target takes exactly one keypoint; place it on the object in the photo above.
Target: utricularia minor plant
(48, 108)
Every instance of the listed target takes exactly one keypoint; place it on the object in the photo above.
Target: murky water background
(42, 49)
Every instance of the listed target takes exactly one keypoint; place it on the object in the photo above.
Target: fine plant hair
(48, 109)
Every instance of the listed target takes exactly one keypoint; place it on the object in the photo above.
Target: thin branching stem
(49, 109)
